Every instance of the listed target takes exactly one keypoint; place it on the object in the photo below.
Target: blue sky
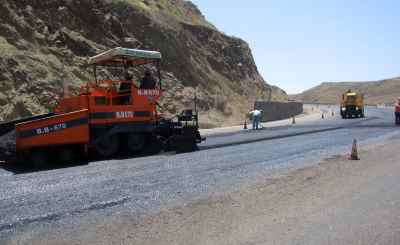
(299, 44)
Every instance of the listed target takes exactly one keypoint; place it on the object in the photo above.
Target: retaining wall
(273, 111)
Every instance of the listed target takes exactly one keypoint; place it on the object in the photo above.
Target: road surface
(63, 202)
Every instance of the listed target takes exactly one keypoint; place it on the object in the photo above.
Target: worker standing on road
(255, 118)
(397, 112)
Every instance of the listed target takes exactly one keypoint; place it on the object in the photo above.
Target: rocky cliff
(375, 92)
(46, 42)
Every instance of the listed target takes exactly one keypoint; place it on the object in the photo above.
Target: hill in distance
(375, 92)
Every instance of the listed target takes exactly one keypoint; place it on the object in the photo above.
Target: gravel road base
(336, 202)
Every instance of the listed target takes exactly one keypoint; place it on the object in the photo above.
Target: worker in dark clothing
(397, 112)
(148, 82)
(127, 84)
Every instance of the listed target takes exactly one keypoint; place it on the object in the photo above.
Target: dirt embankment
(46, 42)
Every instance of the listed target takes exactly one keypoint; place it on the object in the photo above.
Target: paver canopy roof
(120, 56)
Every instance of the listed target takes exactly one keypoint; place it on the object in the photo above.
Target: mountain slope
(383, 91)
(43, 42)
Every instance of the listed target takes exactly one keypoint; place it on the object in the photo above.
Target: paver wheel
(107, 146)
(39, 158)
(135, 143)
(154, 146)
(67, 155)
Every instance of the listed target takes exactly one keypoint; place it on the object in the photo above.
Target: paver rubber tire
(66, 155)
(135, 143)
(108, 146)
(153, 146)
(39, 159)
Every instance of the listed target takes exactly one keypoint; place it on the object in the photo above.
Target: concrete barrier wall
(273, 111)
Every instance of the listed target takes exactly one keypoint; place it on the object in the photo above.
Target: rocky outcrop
(45, 43)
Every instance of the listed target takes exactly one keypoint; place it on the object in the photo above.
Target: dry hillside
(384, 91)
(43, 40)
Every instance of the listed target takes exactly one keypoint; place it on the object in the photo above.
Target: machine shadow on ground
(16, 167)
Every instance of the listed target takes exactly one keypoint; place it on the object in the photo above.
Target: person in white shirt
(255, 118)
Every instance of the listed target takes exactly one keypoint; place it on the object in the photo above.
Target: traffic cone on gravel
(245, 124)
(354, 151)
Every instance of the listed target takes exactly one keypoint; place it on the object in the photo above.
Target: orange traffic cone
(245, 124)
(354, 151)
(294, 120)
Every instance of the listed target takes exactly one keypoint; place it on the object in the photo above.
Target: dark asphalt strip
(267, 138)
(227, 134)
